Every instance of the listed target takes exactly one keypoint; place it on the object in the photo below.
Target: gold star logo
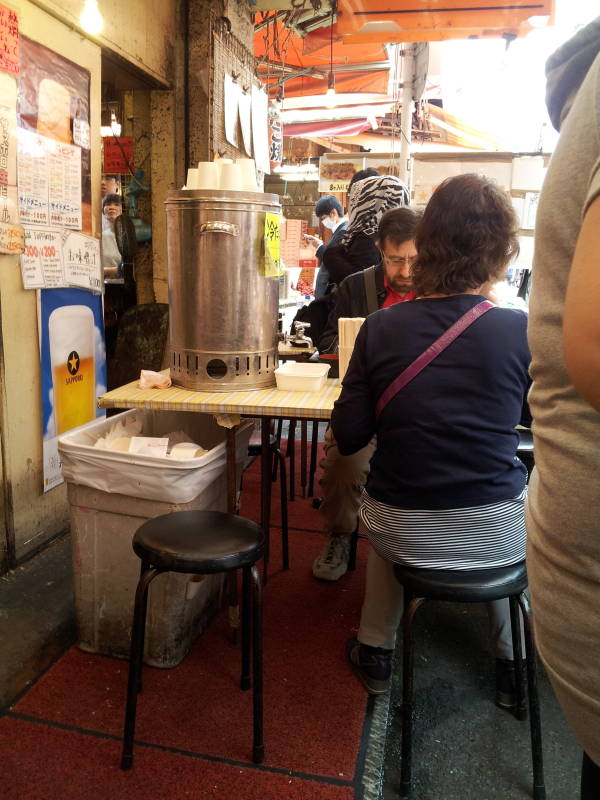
(73, 363)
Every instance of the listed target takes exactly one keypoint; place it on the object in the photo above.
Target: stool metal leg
(314, 443)
(411, 605)
(515, 625)
(539, 789)
(284, 509)
(258, 747)
(352, 551)
(246, 624)
(291, 453)
(147, 575)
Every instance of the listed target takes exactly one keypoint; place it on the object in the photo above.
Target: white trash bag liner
(166, 479)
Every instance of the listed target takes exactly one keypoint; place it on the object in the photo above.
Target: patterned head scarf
(368, 199)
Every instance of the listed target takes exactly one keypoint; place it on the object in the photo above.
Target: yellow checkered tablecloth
(258, 403)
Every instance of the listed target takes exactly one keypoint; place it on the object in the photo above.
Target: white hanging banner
(260, 129)
(231, 94)
(245, 111)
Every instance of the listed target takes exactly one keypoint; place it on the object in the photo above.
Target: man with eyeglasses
(378, 286)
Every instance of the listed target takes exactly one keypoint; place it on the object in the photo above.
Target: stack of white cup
(224, 174)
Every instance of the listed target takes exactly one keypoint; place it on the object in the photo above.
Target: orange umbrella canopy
(302, 63)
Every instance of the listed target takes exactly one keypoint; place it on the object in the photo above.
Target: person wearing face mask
(330, 213)
(359, 295)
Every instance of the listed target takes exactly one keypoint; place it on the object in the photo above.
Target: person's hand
(313, 241)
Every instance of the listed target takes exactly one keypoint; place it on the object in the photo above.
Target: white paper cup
(186, 450)
(192, 178)
(207, 175)
(230, 178)
(248, 170)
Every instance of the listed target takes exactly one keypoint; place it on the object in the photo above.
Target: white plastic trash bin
(111, 494)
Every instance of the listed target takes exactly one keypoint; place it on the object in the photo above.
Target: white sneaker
(332, 561)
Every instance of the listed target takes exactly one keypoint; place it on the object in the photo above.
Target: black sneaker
(506, 683)
(371, 665)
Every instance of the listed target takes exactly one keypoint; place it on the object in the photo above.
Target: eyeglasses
(394, 260)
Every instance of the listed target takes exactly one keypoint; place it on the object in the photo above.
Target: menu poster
(9, 40)
(118, 155)
(41, 263)
(54, 104)
(49, 181)
(56, 258)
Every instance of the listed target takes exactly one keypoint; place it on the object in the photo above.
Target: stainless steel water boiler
(223, 298)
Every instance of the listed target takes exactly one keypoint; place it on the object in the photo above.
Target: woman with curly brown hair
(446, 489)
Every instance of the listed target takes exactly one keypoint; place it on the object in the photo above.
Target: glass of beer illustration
(71, 334)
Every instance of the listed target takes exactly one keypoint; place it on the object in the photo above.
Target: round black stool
(471, 586)
(200, 543)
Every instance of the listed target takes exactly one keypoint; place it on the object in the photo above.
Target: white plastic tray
(300, 377)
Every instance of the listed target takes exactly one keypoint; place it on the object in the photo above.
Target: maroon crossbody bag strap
(432, 352)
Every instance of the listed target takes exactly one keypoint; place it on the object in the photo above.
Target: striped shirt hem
(478, 537)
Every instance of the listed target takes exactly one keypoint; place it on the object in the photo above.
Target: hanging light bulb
(91, 18)
(330, 98)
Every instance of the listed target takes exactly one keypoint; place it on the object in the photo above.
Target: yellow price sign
(272, 260)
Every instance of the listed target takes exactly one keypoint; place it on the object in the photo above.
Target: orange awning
(369, 21)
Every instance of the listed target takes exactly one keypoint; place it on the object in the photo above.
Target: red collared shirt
(392, 297)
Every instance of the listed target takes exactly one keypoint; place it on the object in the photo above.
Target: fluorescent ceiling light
(343, 99)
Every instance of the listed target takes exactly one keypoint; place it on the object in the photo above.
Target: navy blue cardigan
(447, 440)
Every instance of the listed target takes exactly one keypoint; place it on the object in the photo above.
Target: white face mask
(329, 223)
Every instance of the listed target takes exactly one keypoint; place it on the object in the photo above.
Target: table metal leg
(232, 508)
(313, 457)
(291, 453)
(266, 459)
(303, 455)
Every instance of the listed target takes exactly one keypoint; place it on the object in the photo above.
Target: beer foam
(71, 328)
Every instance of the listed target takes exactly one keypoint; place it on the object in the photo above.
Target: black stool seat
(464, 586)
(199, 542)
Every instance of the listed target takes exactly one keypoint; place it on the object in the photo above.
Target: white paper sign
(8, 126)
(58, 258)
(230, 100)
(49, 181)
(82, 264)
(41, 263)
(245, 112)
(260, 129)
(149, 446)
